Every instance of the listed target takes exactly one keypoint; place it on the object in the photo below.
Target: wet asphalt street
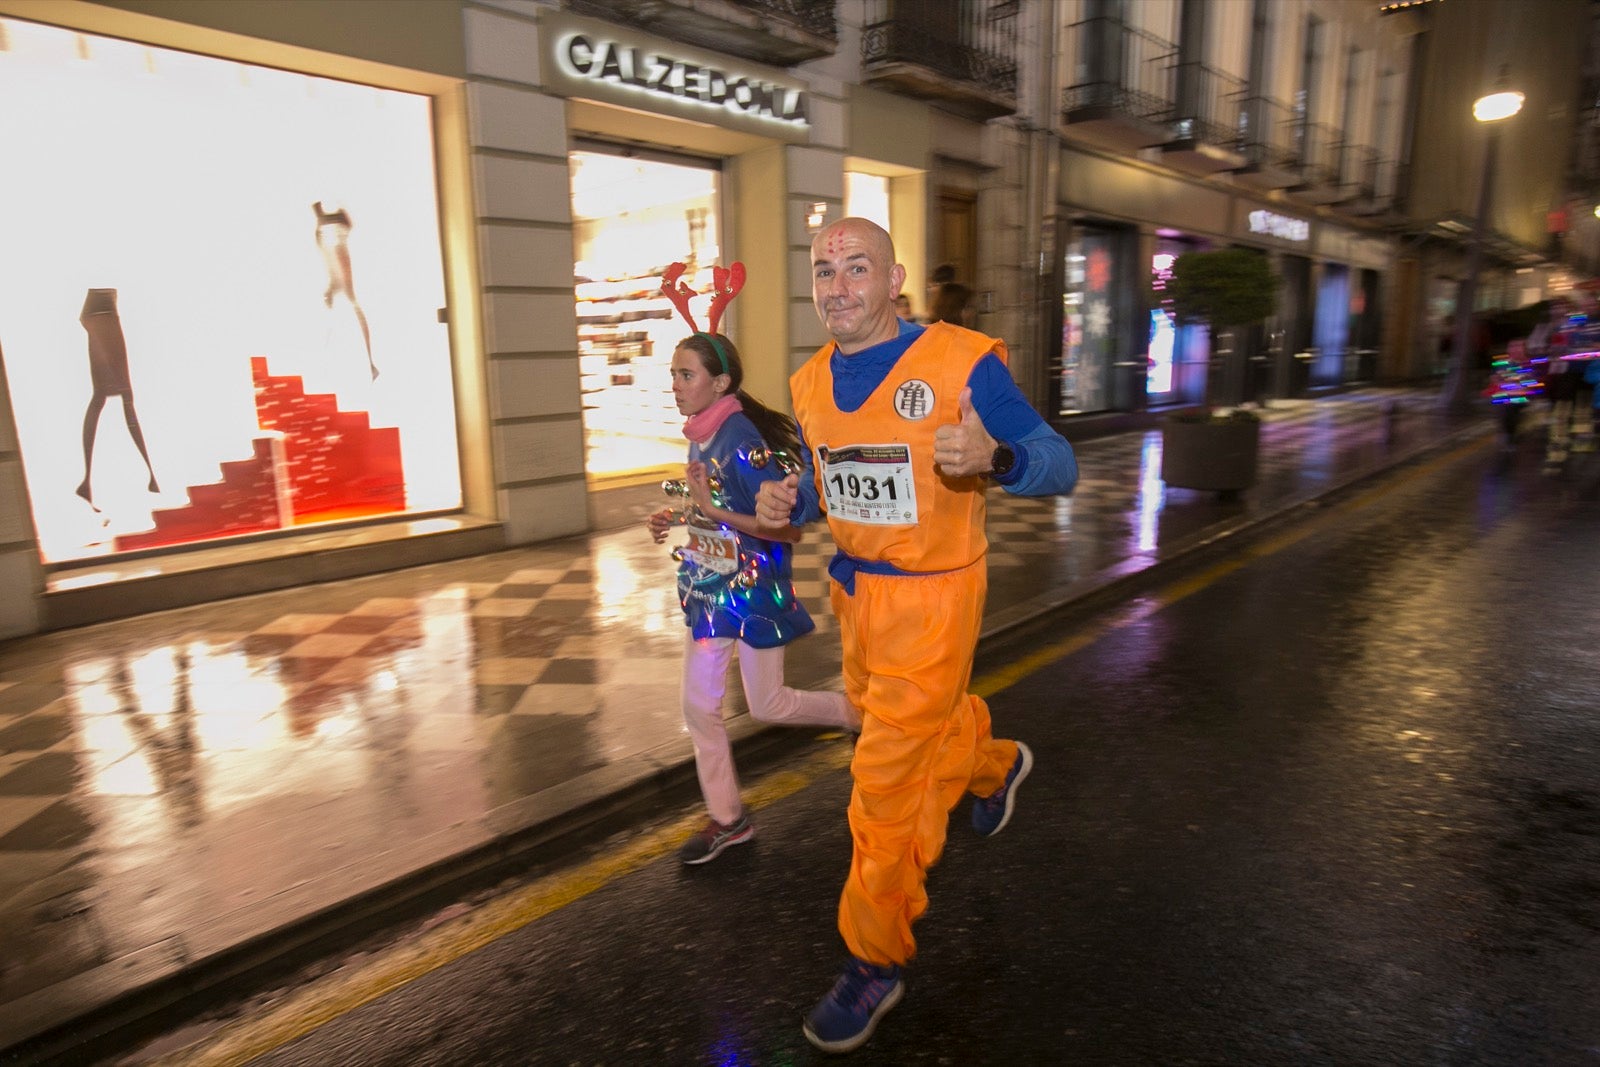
(1335, 800)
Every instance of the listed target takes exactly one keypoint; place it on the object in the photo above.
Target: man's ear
(897, 275)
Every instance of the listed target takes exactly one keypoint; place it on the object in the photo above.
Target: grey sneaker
(707, 844)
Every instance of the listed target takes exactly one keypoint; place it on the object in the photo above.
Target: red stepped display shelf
(339, 466)
(331, 464)
(245, 501)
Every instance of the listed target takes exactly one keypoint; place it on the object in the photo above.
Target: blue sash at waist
(843, 569)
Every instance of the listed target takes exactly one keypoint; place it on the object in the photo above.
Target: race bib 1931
(870, 484)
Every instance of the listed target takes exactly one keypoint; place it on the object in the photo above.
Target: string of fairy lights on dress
(752, 588)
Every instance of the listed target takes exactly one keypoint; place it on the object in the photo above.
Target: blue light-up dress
(767, 613)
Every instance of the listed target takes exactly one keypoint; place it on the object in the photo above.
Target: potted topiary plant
(1223, 289)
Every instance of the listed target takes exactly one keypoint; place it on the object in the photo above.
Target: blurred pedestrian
(1583, 350)
(910, 426)
(1547, 346)
(1513, 384)
(1591, 378)
(950, 298)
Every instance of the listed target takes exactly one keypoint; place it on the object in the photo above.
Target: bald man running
(908, 425)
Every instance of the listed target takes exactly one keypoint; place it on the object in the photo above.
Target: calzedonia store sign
(1260, 222)
(594, 60)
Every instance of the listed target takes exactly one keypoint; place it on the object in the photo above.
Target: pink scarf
(703, 425)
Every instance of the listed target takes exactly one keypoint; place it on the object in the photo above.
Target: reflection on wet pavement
(173, 784)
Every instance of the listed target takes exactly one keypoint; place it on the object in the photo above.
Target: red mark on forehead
(835, 244)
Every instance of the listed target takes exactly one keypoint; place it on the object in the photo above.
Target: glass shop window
(220, 294)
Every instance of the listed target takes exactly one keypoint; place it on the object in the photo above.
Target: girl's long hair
(776, 428)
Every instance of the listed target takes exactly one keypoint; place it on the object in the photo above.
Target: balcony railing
(816, 17)
(1208, 106)
(1370, 180)
(1120, 69)
(1267, 139)
(1321, 154)
(1385, 180)
(1360, 167)
(779, 32)
(963, 52)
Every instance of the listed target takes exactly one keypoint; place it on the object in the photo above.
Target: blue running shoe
(990, 814)
(843, 1020)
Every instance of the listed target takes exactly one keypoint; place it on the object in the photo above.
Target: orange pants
(925, 743)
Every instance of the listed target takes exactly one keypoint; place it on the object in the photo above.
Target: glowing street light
(1490, 110)
(1497, 106)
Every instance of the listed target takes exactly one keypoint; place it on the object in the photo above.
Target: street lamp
(1497, 105)
(1489, 110)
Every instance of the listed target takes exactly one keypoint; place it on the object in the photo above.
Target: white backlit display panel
(219, 294)
(866, 196)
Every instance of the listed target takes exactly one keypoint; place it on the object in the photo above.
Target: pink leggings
(705, 679)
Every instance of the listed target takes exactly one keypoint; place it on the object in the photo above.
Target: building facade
(304, 289)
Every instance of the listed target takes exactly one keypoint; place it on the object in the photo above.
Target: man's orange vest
(921, 393)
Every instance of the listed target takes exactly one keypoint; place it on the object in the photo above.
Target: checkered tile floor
(174, 783)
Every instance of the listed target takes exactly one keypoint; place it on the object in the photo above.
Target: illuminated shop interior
(632, 217)
(1086, 322)
(895, 197)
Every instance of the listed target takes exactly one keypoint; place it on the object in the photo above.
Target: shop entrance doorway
(1294, 318)
(958, 234)
(632, 215)
(1368, 324)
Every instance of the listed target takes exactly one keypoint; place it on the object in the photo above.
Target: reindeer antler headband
(725, 285)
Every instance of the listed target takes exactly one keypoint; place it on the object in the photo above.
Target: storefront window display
(1163, 329)
(632, 217)
(1087, 316)
(220, 289)
(1174, 348)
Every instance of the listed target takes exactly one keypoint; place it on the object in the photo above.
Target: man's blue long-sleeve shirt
(1045, 463)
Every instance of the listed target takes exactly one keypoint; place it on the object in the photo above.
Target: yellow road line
(327, 999)
(334, 995)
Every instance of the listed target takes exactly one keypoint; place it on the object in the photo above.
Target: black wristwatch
(1003, 460)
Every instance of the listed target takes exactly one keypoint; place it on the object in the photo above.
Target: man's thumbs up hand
(775, 501)
(965, 448)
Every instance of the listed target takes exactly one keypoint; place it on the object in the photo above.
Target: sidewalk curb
(134, 997)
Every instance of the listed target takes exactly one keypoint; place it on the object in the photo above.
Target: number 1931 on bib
(869, 484)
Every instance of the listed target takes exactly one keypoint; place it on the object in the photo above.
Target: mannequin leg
(132, 418)
(366, 335)
(91, 422)
(345, 284)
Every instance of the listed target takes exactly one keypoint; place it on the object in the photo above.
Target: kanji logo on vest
(914, 400)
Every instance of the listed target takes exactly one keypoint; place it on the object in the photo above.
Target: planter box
(1218, 455)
